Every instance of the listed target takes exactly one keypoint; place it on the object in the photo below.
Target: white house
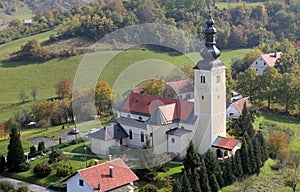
(111, 176)
(235, 109)
(265, 60)
(171, 123)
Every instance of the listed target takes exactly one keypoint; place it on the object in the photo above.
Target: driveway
(32, 187)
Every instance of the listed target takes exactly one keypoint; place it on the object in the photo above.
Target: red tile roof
(181, 86)
(226, 143)
(270, 58)
(239, 104)
(147, 104)
(100, 174)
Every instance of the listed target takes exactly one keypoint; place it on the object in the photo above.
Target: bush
(42, 170)
(32, 150)
(24, 167)
(164, 169)
(6, 186)
(23, 188)
(56, 156)
(149, 188)
(64, 170)
(41, 146)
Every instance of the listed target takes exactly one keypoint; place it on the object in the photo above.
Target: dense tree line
(239, 26)
(206, 173)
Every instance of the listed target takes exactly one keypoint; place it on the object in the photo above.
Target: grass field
(137, 63)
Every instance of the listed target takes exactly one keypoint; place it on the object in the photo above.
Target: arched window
(140, 118)
(202, 79)
(142, 136)
(130, 134)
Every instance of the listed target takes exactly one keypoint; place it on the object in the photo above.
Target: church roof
(172, 109)
(225, 143)
(113, 131)
(182, 86)
(178, 131)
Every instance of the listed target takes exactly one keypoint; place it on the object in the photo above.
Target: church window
(173, 140)
(218, 78)
(202, 79)
(188, 96)
(142, 137)
(130, 134)
(140, 118)
(202, 97)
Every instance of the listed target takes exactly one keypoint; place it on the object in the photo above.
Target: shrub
(56, 156)
(149, 188)
(24, 167)
(64, 170)
(41, 146)
(23, 188)
(6, 186)
(164, 169)
(42, 170)
(32, 150)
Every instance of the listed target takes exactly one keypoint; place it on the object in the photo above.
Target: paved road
(32, 187)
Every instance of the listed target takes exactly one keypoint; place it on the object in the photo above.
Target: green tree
(192, 159)
(42, 170)
(155, 87)
(15, 155)
(269, 83)
(213, 167)
(203, 177)
(32, 150)
(288, 91)
(237, 164)
(186, 185)
(32, 51)
(247, 83)
(228, 175)
(177, 186)
(41, 146)
(213, 183)
(2, 163)
(257, 153)
(245, 158)
(263, 146)
(230, 85)
(194, 180)
(22, 96)
(64, 169)
(149, 188)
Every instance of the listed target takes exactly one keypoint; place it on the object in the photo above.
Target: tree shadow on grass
(14, 64)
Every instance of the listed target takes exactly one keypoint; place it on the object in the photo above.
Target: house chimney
(275, 54)
(111, 171)
(95, 162)
(99, 186)
(110, 157)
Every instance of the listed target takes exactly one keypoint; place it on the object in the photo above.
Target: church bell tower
(210, 92)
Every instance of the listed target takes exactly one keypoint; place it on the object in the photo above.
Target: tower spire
(210, 51)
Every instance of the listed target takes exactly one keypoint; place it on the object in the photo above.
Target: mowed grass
(13, 46)
(30, 133)
(77, 162)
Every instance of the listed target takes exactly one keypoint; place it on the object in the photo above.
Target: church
(172, 123)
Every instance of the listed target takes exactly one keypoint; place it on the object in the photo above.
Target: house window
(128, 116)
(173, 140)
(130, 134)
(202, 79)
(80, 182)
(256, 62)
(264, 63)
(142, 137)
(218, 78)
(140, 118)
(202, 97)
(230, 114)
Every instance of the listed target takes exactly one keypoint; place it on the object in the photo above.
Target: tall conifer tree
(192, 159)
(237, 165)
(245, 158)
(177, 186)
(213, 183)
(186, 185)
(203, 177)
(15, 155)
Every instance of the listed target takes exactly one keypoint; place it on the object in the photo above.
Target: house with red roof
(226, 147)
(265, 60)
(111, 176)
(182, 90)
(235, 109)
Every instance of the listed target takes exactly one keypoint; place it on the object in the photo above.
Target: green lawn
(31, 133)
(77, 163)
(13, 46)
(79, 148)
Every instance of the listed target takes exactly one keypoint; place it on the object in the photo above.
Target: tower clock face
(202, 89)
